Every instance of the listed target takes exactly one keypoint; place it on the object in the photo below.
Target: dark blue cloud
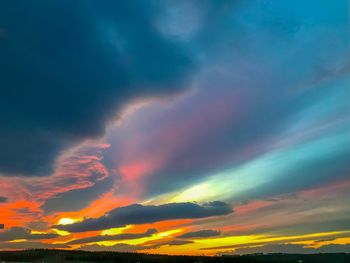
(68, 67)
(121, 247)
(200, 233)
(15, 233)
(3, 199)
(139, 214)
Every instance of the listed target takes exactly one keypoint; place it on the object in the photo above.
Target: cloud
(15, 233)
(339, 223)
(178, 242)
(124, 236)
(82, 197)
(121, 247)
(335, 248)
(231, 119)
(200, 233)
(3, 199)
(69, 68)
(268, 113)
(30, 245)
(293, 248)
(140, 214)
(38, 225)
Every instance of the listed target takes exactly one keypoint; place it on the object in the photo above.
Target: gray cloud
(123, 236)
(30, 245)
(140, 214)
(121, 247)
(3, 199)
(293, 248)
(82, 197)
(178, 242)
(69, 67)
(23, 233)
(200, 233)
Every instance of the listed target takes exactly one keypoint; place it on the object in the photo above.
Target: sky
(176, 127)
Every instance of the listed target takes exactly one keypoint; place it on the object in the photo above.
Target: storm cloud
(69, 67)
(139, 214)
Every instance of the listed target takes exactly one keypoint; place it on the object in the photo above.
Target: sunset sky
(178, 126)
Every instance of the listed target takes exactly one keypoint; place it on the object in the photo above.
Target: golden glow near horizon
(260, 239)
(154, 237)
(212, 246)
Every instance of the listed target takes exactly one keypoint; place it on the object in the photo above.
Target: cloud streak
(124, 236)
(140, 214)
(16, 233)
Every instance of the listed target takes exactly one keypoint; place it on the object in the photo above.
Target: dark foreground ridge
(52, 256)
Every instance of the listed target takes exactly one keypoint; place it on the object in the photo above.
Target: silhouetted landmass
(52, 256)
